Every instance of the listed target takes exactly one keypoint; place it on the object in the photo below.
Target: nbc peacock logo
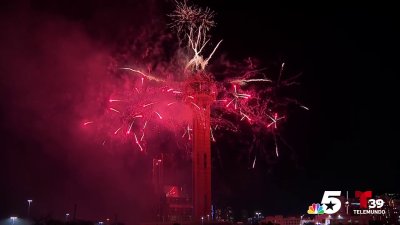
(330, 204)
(315, 208)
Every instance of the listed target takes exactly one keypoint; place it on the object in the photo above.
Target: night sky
(54, 57)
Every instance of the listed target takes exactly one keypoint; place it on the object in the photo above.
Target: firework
(148, 101)
(187, 19)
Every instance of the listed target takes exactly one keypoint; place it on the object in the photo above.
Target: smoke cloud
(54, 74)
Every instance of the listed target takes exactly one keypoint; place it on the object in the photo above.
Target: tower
(158, 183)
(201, 89)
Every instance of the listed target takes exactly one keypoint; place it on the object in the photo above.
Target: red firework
(149, 101)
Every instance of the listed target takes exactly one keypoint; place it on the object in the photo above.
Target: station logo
(315, 209)
(368, 205)
(330, 204)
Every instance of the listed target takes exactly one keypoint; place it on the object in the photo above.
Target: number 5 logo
(332, 204)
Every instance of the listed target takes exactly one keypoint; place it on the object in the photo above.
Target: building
(281, 220)
(177, 205)
(391, 207)
(200, 88)
(175, 202)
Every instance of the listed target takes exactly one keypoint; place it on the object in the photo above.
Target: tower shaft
(201, 157)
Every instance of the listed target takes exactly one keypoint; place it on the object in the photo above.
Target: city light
(29, 207)
(13, 218)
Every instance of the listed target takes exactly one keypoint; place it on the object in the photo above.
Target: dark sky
(53, 62)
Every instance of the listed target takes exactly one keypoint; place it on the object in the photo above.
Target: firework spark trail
(137, 142)
(212, 135)
(115, 100)
(254, 162)
(227, 105)
(87, 123)
(304, 107)
(149, 104)
(142, 137)
(149, 77)
(276, 145)
(198, 62)
(245, 116)
(171, 103)
(242, 82)
(188, 132)
(158, 114)
(274, 119)
(198, 107)
(143, 130)
(280, 73)
(116, 132)
(112, 109)
(236, 97)
(130, 128)
(205, 62)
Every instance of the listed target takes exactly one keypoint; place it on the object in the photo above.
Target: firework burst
(149, 102)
